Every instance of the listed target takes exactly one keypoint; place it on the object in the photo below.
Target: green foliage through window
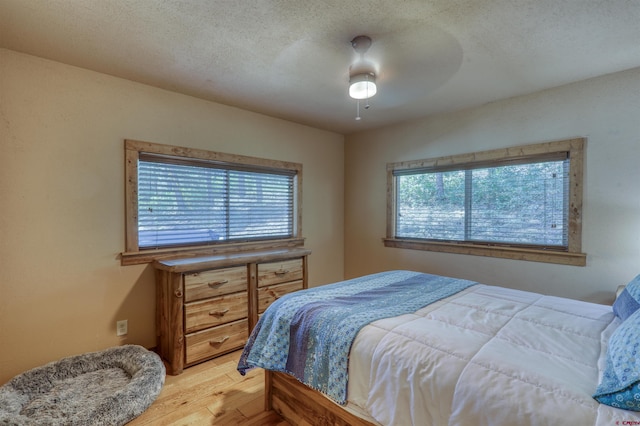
(525, 203)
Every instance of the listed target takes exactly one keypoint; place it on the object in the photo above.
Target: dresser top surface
(228, 259)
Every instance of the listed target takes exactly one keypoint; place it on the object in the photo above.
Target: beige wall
(61, 190)
(605, 110)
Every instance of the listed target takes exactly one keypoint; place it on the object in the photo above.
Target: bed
(407, 348)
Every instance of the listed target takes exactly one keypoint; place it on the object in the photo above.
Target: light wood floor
(211, 393)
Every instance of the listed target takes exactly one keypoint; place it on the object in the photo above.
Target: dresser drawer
(279, 272)
(215, 311)
(214, 341)
(200, 285)
(268, 295)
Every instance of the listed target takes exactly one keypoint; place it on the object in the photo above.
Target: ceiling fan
(406, 63)
(362, 76)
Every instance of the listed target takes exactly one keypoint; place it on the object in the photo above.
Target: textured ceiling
(291, 59)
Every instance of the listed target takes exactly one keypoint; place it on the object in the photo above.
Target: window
(182, 200)
(522, 202)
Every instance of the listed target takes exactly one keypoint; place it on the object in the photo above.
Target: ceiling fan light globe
(362, 86)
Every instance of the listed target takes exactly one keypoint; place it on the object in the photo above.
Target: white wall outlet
(122, 328)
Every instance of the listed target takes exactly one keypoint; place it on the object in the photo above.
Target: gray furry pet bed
(109, 387)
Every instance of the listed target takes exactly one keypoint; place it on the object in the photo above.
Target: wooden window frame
(134, 255)
(573, 256)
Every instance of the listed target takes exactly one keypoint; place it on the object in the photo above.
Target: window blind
(208, 202)
(523, 204)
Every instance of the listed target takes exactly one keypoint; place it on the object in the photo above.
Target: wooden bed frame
(301, 405)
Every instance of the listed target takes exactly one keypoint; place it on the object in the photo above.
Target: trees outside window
(522, 202)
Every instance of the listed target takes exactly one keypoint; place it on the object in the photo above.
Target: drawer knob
(216, 283)
(218, 341)
(282, 272)
(218, 313)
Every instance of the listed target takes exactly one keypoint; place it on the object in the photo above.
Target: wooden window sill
(148, 256)
(528, 254)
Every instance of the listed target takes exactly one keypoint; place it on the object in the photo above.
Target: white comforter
(486, 356)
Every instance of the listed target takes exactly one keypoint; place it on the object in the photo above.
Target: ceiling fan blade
(414, 62)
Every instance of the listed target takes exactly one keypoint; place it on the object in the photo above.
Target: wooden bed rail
(301, 405)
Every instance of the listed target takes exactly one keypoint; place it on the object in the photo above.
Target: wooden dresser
(206, 306)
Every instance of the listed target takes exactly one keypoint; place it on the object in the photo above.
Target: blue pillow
(629, 300)
(620, 384)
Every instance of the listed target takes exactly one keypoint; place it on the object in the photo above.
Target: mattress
(485, 356)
